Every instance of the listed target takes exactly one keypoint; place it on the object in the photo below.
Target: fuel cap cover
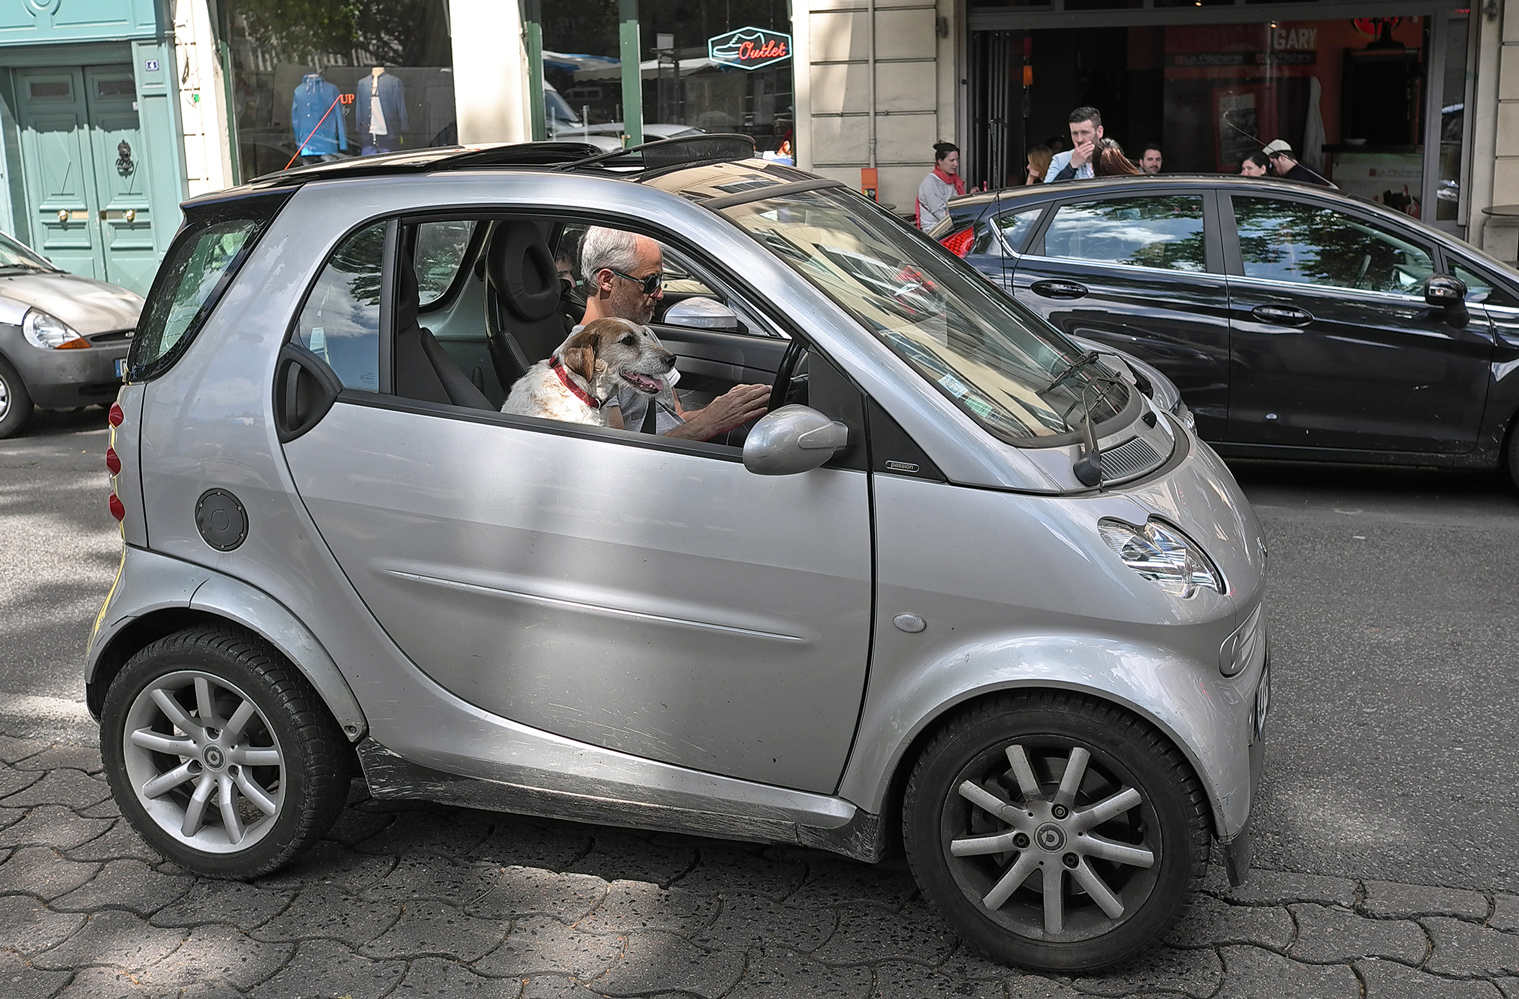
(222, 521)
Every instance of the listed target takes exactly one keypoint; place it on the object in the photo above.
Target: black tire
(15, 402)
(1053, 836)
(282, 774)
(1512, 452)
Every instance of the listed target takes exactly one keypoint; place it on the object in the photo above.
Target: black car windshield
(15, 257)
(1015, 375)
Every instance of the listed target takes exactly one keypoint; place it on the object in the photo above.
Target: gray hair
(616, 249)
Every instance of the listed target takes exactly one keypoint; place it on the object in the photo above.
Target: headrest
(523, 272)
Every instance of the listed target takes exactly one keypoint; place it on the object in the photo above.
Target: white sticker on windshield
(953, 386)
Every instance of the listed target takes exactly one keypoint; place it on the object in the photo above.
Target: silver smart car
(963, 591)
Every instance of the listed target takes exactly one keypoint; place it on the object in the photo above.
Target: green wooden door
(86, 174)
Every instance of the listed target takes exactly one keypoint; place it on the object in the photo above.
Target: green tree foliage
(393, 32)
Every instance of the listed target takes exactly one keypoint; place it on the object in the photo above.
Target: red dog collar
(579, 392)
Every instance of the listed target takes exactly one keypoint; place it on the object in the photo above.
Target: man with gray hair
(624, 279)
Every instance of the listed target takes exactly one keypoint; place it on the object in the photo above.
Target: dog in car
(576, 381)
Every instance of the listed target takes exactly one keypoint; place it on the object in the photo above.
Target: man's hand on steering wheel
(733, 408)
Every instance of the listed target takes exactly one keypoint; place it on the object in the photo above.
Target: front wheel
(1056, 832)
(15, 402)
(220, 754)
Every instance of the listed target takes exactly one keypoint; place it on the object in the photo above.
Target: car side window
(1016, 226)
(1163, 231)
(1479, 290)
(1301, 243)
(340, 321)
(440, 250)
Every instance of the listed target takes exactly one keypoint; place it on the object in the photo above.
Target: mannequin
(381, 107)
(316, 120)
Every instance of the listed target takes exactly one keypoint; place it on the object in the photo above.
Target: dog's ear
(579, 354)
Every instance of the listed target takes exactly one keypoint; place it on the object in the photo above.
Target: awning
(648, 70)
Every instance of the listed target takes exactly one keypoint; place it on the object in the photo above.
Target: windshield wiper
(1084, 361)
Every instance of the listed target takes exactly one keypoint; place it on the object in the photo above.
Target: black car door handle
(304, 390)
(1282, 315)
(1058, 289)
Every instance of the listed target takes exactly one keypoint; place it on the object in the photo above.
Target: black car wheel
(220, 754)
(1056, 832)
(15, 402)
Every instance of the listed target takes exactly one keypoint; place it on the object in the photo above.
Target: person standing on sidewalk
(1086, 130)
(939, 186)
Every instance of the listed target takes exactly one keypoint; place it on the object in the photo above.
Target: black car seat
(524, 310)
(423, 369)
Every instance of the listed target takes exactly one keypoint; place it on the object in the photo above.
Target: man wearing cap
(1282, 161)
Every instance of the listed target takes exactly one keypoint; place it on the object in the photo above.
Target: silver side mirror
(793, 439)
(701, 314)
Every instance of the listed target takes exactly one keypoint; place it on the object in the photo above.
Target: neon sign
(749, 48)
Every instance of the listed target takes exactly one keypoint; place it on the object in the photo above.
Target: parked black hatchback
(1297, 322)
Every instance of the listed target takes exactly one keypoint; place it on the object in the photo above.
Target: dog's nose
(668, 359)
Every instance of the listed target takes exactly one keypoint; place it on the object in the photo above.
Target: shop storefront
(1372, 96)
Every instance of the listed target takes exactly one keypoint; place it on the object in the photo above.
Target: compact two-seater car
(963, 588)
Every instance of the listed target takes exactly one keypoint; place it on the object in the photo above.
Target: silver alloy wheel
(204, 762)
(1052, 845)
(5, 396)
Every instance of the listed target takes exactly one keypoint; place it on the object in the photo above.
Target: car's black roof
(1140, 182)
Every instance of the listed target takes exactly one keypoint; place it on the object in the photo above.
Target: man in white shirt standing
(938, 187)
(1076, 164)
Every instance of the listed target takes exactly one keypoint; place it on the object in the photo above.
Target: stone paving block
(43, 872)
(1508, 986)
(1210, 922)
(868, 934)
(1505, 913)
(114, 938)
(120, 842)
(70, 788)
(113, 983)
(431, 928)
(542, 946)
(107, 809)
(655, 961)
(1465, 950)
(900, 980)
(324, 911)
(520, 840)
(1034, 987)
(19, 980)
(436, 978)
(970, 963)
(556, 987)
(618, 855)
(729, 869)
(1252, 973)
(530, 891)
(235, 903)
(836, 880)
(219, 955)
(425, 876)
(640, 905)
(330, 863)
(13, 780)
(324, 969)
(755, 921)
(83, 758)
(1386, 899)
(1285, 887)
(13, 749)
(28, 926)
(1195, 973)
(126, 884)
(1329, 934)
(775, 974)
(1389, 980)
(354, 826)
(209, 990)
(424, 832)
(52, 825)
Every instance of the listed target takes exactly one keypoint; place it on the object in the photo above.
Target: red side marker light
(113, 461)
(117, 510)
(115, 416)
(958, 243)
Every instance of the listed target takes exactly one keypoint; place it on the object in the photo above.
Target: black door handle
(1058, 289)
(304, 390)
(1282, 315)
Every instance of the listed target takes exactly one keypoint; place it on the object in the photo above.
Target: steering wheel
(788, 381)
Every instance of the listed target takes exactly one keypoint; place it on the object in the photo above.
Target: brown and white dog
(586, 370)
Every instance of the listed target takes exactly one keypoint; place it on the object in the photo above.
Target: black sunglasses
(650, 284)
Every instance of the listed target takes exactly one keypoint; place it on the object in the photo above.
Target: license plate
(121, 367)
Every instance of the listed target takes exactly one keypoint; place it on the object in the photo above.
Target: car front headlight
(49, 332)
(1163, 555)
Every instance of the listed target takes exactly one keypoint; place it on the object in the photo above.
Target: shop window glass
(340, 322)
(319, 82)
(1157, 231)
(1307, 244)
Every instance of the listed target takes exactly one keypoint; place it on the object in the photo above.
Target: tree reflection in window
(1163, 231)
(341, 320)
(1310, 244)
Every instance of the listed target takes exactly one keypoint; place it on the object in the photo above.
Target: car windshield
(15, 257)
(1007, 369)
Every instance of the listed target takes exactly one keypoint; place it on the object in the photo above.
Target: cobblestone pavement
(411, 901)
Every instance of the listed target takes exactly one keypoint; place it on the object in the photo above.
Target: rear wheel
(1513, 450)
(15, 402)
(1056, 832)
(220, 754)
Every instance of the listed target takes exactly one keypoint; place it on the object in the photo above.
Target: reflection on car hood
(87, 305)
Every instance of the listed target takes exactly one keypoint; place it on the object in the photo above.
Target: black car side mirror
(1442, 291)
